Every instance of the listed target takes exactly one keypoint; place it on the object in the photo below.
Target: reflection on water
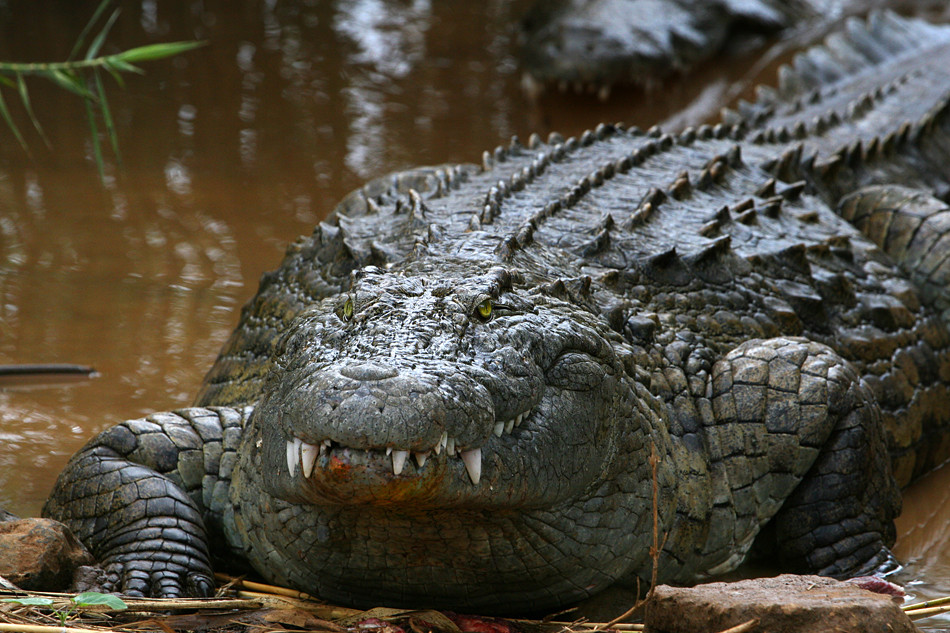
(923, 543)
(388, 42)
(229, 153)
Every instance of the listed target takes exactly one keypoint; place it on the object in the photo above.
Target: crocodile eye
(483, 311)
(346, 312)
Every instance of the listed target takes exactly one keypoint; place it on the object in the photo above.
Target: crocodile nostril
(368, 371)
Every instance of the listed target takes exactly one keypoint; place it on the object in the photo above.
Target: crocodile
(595, 45)
(491, 387)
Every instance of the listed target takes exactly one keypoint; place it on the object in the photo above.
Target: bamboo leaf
(81, 40)
(107, 116)
(115, 75)
(13, 128)
(70, 82)
(114, 63)
(152, 52)
(6, 81)
(96, 145)
(97, 43)
(25, 98)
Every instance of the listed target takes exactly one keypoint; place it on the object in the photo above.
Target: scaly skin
(595, 44)
(449, 393)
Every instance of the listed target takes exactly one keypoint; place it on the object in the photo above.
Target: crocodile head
(474, 392)
(449, 434)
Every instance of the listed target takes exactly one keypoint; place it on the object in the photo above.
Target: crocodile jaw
(307, 456)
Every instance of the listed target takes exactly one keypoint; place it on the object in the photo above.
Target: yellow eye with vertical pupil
(484, 309)
(347, 311)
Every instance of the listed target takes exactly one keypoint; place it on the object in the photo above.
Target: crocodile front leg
(141, 494)
(796, 425)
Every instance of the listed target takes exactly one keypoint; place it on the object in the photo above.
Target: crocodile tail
(860, 47)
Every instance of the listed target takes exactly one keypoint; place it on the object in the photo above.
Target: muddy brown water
(227, 154)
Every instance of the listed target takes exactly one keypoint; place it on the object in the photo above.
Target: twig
(626, 614)
(920, 614)
(259, 586)
(41, 628)
(742, 628)
(274, 601)
(597, 626)
(655, 550)
(185, 604)
(924, 605)
(45, 368)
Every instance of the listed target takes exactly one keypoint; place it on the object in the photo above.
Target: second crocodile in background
(449, 394)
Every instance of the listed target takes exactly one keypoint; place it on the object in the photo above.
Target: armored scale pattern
(450, 393)
(593, 45)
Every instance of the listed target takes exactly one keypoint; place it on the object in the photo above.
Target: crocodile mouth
(308, 456)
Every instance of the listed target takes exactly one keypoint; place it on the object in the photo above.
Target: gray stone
(784, 604)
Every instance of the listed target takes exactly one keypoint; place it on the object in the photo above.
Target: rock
(7, 516)
(784, 604)
(88, 578)
(40, 554)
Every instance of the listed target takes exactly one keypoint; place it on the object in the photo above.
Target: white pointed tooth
(473, 463)
(389, 451)
(441, 443)
(519, 419)
(324, 446)
(421, 458)
(308, 455)
(292, 456)
(399, 460)
(450, 446)
(510, 424)
(499, 428)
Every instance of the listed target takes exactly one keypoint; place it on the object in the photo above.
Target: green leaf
(29, 602)
(70, 82)
(152, 52)
(107, 115)
(114, 63)
(115, 75)
(97, 43)
(92, 598)
(96, 145)
(86, 29)
(13, 128)
(25, 98)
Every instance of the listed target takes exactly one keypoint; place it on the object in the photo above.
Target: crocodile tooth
(399, 460)
(292, 451)
(509, 425)
(450, 446)
(499, 428)
(324, 446)
(519, 419)
(389, 451)
(308, 455)
(473, 463)
(441, 443)
(421, 458)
